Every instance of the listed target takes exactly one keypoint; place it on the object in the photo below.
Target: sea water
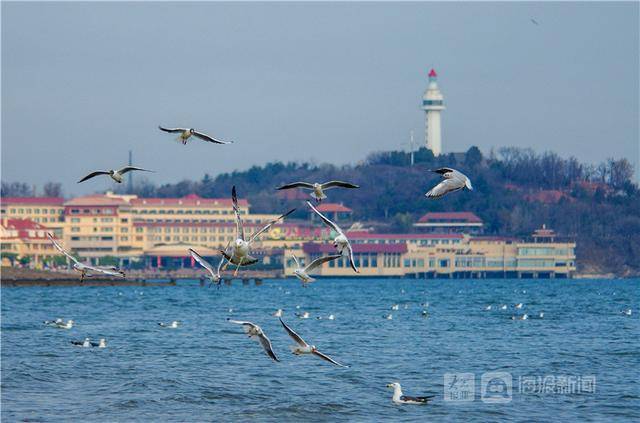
(580, 361)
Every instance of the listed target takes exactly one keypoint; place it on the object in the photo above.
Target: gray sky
(83, 83)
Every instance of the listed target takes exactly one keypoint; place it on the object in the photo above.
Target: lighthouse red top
(432, 73)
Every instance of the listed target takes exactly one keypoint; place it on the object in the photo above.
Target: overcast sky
(83, 83)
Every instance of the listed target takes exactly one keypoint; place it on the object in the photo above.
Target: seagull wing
(327, 358)
(92, 174)
(236, 210)
(130, 168)
(270, 224)
(110, 272)
(173, 130)
(351, 261)
(443, 170)
(59, 248)
(197, 257)
(293, 256)
(266, 345)
(416, 399)
(340, 184)
(306, 185)
(444, 187)
(325, 220)
(294, 335)
(317, 262)
(206, 137)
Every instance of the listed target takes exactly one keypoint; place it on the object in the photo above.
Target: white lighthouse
(433, 104)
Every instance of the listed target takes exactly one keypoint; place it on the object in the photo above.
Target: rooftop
(318, 248)
(96, 200)
(467, 217)
(57, 201)
(188, 200)
(333, 207)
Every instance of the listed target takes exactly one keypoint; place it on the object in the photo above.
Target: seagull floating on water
(453, 181)
(503, 307)
(519, 305)
(214, 275)
(59, 323)
(317, 190)
(627, 312)
(101, 344)
(303, 273)
(186, 133)
(523, 317)
(278, 313)
(341, 242)
(400, 398)
(488, 307)
(304, 348)
(240, 253)
(395, 307)
(84, 269)
(304, 315)
(172, 325)
(84, 344)
(116, 175)
(389, 316)
(255, 332)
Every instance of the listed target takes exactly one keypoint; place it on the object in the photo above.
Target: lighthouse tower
(433, 104)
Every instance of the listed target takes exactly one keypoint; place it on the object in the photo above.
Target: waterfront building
(450, 222)
(443, 255)
(25, 239)
(48, 211)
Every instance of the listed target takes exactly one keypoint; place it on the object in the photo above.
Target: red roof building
(334, 211)
(450, 222)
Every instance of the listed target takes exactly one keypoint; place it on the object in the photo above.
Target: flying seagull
(453, 181)
(241, 248)
(214, 274)
(533, 21)
(84, 269)
(255, 332)
(116, 175)
(318, 189)
(302, 273)
(186, 133)
(400, 398)
(341, 242)
(304, 348)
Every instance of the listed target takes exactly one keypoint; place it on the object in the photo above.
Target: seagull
(425, 313)
(172, 325)
(241, 247)
(318, 189)
(101, 344)
(395, 307)
(627, 312)
(453, 181)
(533, 21)
(255, 332)
(341, 242)
(488, 307)
(389, 316)
(541, 315)
(59, 324)
(503, 307)
(304, 348)
(523, 317)
(214, 275)
(399, 398)
(302, 273)
(331, 317)
(116, 175)
(278, 313)
(186, 133)
(84, 344)
(85, 269)
(304, 315)
(519, 305)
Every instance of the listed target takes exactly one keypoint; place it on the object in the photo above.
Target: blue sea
(579, 362)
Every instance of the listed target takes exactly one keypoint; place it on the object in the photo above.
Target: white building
(433, 104)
